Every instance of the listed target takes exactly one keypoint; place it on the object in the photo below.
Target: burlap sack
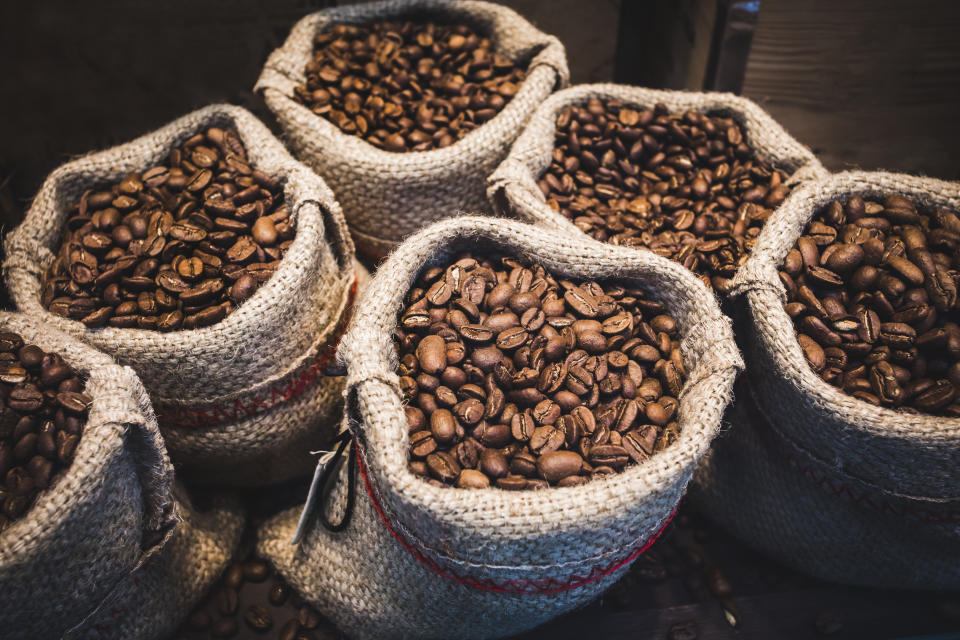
(386, 196)
(102, 517)
(422, 561)
(815, 478)
(513, 189)
(243, 401)
(153, 601)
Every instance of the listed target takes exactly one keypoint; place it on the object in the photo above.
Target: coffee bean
(471, 479)
(674, 183)
(874, 304)
(41, 426)
(556, 465)
(541, 366)
(211, 237)
(443, 467)
(258, 617)
(256, 571)
(455, 82)
(219, 615)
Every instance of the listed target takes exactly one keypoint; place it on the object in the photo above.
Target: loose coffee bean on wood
(872, 290)
(42, 416)
(685, 185)
(262, 606)
(177, 246)
(519, 380)
(407, 86)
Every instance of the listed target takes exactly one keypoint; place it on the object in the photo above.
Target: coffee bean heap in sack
(684, 185)
(516, 379)
(407, 86)
(251, 601)
(872, 290)
(177, 246)
(43, 414)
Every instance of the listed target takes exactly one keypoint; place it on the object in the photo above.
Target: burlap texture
(386, 196)
(513, 189)
(154, 600)
(104, 516)
(534, 554)
(238, 401)
(870, 495)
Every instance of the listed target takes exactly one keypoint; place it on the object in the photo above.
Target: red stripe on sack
(543, 586)
(281, 392)
(860, 497)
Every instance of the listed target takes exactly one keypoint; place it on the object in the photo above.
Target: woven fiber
(513, 189)
(242, 401)
(386, 196)
(423, 561)
(154, 600)
(827, 483)
(103, 517)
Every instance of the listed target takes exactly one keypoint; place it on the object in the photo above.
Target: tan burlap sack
(386, 196)
(243, 401)
(815, 478)
(513, 189)
(417, 560)
(155, 599)
(102, 517)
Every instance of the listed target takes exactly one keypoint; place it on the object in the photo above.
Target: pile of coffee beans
(175, 247)
(407, 86)
(872, 290)
(516, 379)
(687, 186)
(43, 414)
(251, 601)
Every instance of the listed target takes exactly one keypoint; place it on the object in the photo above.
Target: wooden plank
(865, 83)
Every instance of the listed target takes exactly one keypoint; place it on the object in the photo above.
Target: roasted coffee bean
(41, 424)
(186, 246)
(451, 78)
(679, 184)
(876, 310)
(541, 367)
(258, 617)
(256, 571)
(235, 601)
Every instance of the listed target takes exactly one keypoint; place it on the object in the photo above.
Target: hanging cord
(327, 466)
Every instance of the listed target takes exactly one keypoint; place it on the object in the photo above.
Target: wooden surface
(866, 83)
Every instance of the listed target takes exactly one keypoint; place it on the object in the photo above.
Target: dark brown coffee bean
(443, 426)
(227, 601)
(471, 479)
(225, 627)
(353, 79)
(432, 354)
(422, 443)
(258, 617)
(546, 439)
(256, 571)
(888, 306)
(524, 380)
(556, 465)
(443, 467)
(164, 239)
